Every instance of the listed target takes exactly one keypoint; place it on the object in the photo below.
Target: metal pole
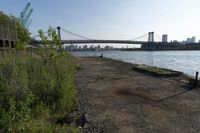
(196, 79)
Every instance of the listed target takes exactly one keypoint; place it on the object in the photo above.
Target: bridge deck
(95, 41)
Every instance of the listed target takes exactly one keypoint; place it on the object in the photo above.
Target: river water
(187, 62)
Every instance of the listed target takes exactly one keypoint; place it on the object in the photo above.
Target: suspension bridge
(88, 40)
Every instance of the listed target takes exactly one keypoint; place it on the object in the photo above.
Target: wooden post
(193, 82)
(196, 79)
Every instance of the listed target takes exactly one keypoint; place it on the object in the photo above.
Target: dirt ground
(117, 99)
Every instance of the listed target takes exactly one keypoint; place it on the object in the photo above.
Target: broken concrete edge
(142, 70)
(191, 80)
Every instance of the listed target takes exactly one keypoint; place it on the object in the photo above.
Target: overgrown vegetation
(36, 90)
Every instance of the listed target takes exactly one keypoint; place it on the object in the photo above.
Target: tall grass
(35, 92)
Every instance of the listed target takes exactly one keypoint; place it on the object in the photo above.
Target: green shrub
(35, 92)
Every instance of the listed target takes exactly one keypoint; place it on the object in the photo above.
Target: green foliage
(4, 18)
(38, 126)
(35, 92)
(51, 43)
(23, 35)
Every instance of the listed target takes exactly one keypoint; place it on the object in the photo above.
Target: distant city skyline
(114, 19)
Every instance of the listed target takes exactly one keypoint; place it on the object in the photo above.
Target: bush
(35, 92)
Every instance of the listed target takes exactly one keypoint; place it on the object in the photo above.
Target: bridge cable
(44, 33)
(138, 37)
(158, 36)
(78, 35)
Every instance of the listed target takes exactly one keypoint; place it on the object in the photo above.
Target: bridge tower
(59, 34)
(151, 37)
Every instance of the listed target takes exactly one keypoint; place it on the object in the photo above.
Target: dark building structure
(8, 34)
(169, 46)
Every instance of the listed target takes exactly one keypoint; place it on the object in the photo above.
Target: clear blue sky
(113, 19)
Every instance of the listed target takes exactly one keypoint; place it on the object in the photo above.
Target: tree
(51, 42)
(23, 35)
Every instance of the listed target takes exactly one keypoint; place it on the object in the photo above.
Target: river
(187, 62)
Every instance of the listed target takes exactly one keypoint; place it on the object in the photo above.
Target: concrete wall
(8, 34)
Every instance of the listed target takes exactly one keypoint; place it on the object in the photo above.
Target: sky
(113, 19)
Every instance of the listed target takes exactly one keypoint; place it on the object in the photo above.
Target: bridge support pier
(59, 35)
(151, 37)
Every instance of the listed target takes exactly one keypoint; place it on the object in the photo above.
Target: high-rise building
(191, 40)
(165, 38)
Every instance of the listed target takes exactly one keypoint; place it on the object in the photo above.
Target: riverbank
(116, 98)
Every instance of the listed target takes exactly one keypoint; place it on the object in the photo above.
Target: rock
(81, 121)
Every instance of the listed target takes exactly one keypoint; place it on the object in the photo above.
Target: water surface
(184, 61)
